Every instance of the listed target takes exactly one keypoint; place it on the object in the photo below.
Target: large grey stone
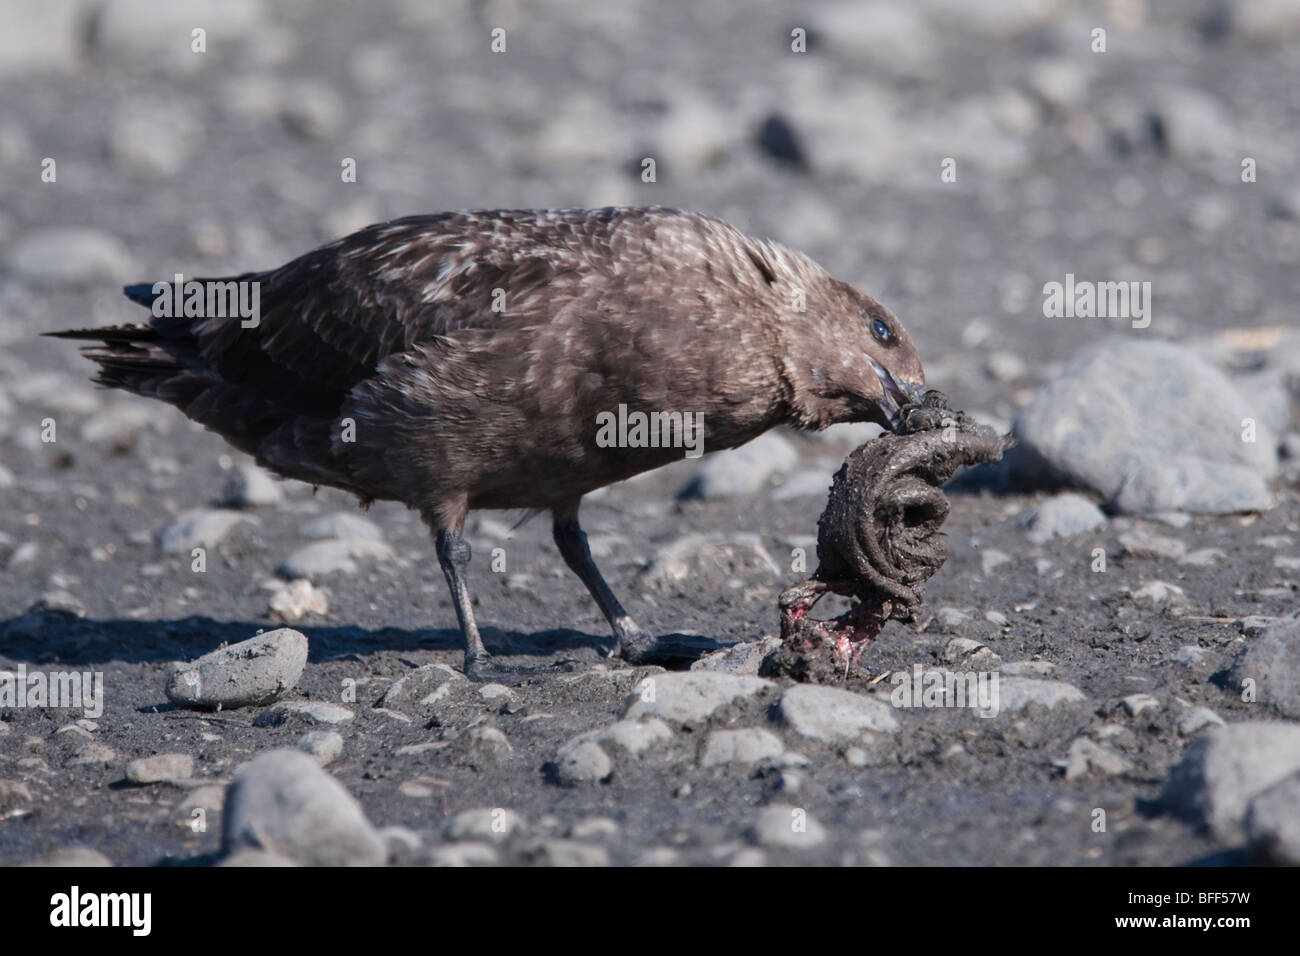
(1273, 822)
(748, 745)
(255, 671)
(1272, 661)
(1224, 768)
(1063, 516)
(744, 470)
(1145, 441)
(834, 716)
(690, 697)
(283, 803)
(1017, 693)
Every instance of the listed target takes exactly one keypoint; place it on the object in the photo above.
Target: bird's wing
(328, 317)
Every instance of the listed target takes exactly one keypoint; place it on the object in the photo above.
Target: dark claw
(487, 670)
(642, 647)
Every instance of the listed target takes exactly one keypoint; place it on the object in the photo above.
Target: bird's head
(848, 358)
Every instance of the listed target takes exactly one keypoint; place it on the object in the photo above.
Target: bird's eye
(880, 330)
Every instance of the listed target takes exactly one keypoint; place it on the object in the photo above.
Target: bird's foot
(486, 669)
(637, 646)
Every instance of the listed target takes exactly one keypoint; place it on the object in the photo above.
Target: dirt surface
(1097, 181)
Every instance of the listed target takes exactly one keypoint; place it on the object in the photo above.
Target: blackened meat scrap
(879, 538)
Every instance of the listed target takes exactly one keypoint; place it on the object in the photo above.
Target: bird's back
(427, 288)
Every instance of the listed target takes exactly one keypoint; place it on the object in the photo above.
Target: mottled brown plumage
(473, 351)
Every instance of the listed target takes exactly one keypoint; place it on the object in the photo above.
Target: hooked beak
(895, 396)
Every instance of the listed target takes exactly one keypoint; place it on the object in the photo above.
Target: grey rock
(594, 828)
(495, 692)
(153, 137)
(787, 828)
(69, 256)
(303, 711)
(690, 697)
(1196, 719)
(1272, 660)
(1256, 624)
(971, 654)
(1147, 442)
(633, 736)
(14, 793)
(832, 716)
(991, 559)
(1157, 594)
(1195, 657)
(93, 754)
(1089, 758)
(582, 761)
(199, 528)
(994, 19)
(1142, 544)
(295, 599)
(464, 854)
(323, 746)
(137, 31)
(424, 686)
(659, 856)
(1137, 704)
(313, 110)
(710, 560)
(159, 768)
(488, 742)
(342, 526)
(484, 824)
(1193, 121)
(73, 857)
(951, 618)
(249, 857)
(283, 803)
(744, 470)
(1205, 557)
(566, 853)
(1063, 516)
(332, 556)
(1273, 822)
(118, 425)
(256, 671)
(1266, 22)
(250, 487)
(812, 483)
(744, 658)
(846, 435)
(1027, 669)
(748, 746)
(1224, 768)
(1017, 693)
(41, 35)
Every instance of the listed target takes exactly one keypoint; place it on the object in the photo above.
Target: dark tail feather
(141, 293)
(110, 334)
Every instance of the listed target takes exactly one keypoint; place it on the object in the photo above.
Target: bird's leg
(630, 641)
(454, 554)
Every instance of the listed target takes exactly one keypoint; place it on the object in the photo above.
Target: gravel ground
(1129, 575)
